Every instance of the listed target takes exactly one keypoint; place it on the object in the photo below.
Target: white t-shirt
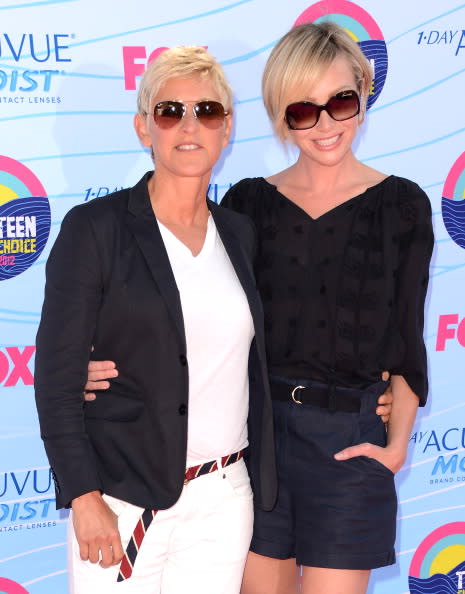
(219, 330)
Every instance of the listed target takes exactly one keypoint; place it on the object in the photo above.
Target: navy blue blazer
(109, 285)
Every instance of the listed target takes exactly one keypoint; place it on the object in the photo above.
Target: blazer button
(183, 360)
(182, 409)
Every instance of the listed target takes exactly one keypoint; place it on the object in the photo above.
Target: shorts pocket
(371, 429)
(378, 465)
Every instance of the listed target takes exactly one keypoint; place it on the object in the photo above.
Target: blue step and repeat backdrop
(68, 74)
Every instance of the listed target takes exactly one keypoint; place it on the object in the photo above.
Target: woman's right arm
(73, 292)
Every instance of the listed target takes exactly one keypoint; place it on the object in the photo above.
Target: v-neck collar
(181, 248)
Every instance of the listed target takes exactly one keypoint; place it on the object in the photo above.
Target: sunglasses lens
(302, 115)
(210, 113)
(343, 106)
(168, 113)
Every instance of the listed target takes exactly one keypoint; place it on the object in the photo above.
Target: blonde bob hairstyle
(299, 59)
(182, 62)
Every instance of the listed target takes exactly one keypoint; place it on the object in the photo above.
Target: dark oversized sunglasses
(168, 113)
(304, 115)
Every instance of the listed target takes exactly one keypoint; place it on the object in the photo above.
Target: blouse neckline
(345, 204)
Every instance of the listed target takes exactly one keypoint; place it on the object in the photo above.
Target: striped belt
(135, 542)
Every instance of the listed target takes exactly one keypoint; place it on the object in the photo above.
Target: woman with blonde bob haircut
(342, 268)
(304, 54)
(154, 469)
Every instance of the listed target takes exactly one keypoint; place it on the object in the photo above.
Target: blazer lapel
(142, 222)
(241, 263)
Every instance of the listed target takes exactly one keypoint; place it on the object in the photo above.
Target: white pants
(198, 546)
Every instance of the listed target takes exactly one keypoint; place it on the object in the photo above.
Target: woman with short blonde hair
(154, 469)
(342, 268)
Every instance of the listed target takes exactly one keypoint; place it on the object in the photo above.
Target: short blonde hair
(303, 54)
(182, 62)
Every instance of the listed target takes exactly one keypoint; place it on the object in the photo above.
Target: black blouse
(343, 294)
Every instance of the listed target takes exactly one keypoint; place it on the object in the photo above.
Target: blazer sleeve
(73, 294)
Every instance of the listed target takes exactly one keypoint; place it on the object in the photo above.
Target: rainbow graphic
(453, 202)
(10, 587)
(362, 28)
(24, 218)
(439, 561)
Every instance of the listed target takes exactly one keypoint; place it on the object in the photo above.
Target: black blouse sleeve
(241, 197)
(415, 242)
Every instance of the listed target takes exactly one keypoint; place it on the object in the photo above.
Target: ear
(228, 124)
(140, 126)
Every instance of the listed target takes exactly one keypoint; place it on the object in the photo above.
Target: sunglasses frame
(321, 108)
(195, 106)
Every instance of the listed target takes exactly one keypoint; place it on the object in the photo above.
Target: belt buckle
(293, 394)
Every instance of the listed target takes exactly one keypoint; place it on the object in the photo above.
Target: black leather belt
(333, 398)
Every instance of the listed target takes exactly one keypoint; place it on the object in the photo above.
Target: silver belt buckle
(293, 394)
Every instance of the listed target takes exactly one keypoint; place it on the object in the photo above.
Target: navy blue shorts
(329, 513)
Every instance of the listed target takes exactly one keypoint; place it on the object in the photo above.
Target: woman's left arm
(399, 428)
(409, 380)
